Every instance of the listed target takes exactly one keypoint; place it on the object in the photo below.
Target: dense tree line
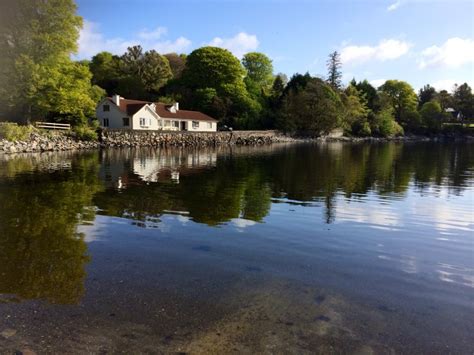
(38, 80)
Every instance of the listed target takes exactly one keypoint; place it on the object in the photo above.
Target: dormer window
(106, 108)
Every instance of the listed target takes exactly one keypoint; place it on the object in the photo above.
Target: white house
(117, 112)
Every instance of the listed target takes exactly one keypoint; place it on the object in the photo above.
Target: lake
(299, 248)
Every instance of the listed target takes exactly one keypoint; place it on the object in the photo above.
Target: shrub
(85, 133)
(13, 132)
(385, 124)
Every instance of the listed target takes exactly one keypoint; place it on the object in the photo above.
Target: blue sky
(419, 41)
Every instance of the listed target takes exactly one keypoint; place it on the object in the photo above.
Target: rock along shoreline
(56, 141)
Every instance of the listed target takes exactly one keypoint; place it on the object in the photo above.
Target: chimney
(176, 106)
(116, 99)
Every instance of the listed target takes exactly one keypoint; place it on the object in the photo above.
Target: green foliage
(38, 78)
(445, 99)
(259, 72)
(401, 97)
(369, 92)
(315, 109)
(105, 69)
(432, 115)
(426, 94)
(464, 101)
(151, 68)
(86, 133)
(355, 112)
(212, 70)
(13, 132)
(384, 124)
(177, 64)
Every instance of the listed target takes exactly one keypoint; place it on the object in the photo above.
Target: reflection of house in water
(123, 167)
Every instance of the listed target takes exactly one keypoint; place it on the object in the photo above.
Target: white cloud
(179, 45)
(92, 41)
(240, 44)
(377, 82)
(152, 35)
(394, 6)
(453, 53)
(387, 49)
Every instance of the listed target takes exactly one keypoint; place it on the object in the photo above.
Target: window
(176, 124)
(167, 123)
(145, 122)
(209, 125)
(105, 122)
(195, 124)
(126, 121)
(160, 123)
(106, 108)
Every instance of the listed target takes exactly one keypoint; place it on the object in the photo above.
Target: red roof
(133, 106)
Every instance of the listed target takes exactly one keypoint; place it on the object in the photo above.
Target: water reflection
(221, 186)
(45, 196)
(41, 254)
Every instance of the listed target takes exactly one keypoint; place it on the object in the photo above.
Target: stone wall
(46, 142)
(129, 138)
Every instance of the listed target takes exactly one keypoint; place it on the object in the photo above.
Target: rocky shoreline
(45, 143)
(118, 138)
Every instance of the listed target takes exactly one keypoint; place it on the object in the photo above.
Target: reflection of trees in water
(241, 183)
(41, 254)
(44, 197)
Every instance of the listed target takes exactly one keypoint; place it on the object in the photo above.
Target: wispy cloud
(453, 53)
(93, 41)
(387, 49)
(394, 6)
(240, 44)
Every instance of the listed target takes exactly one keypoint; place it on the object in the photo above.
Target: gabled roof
(130, 107)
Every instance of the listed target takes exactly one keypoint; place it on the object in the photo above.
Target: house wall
(146, 113)
(203, 126)
(115, 116)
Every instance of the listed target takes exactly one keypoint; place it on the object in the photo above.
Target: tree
(105, 68)
(385, 125)
(334, 70)
(464, 101)
(355, 112)
(445, 99)
(426, 94)
(314, 109)
(259, 72)
(177, 64)
(37, 39)
(156, 71)
(432, 115)
(150, 68)
(401, 97)
(370, 93)
(218, 69)
(64, 93)
(212, 67)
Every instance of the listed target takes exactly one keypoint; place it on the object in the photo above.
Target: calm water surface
(330, 248)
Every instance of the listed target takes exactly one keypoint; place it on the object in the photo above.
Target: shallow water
(328, 248)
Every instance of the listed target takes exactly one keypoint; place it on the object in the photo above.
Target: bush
(13, 132)
(85, 133)
(385, 124)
